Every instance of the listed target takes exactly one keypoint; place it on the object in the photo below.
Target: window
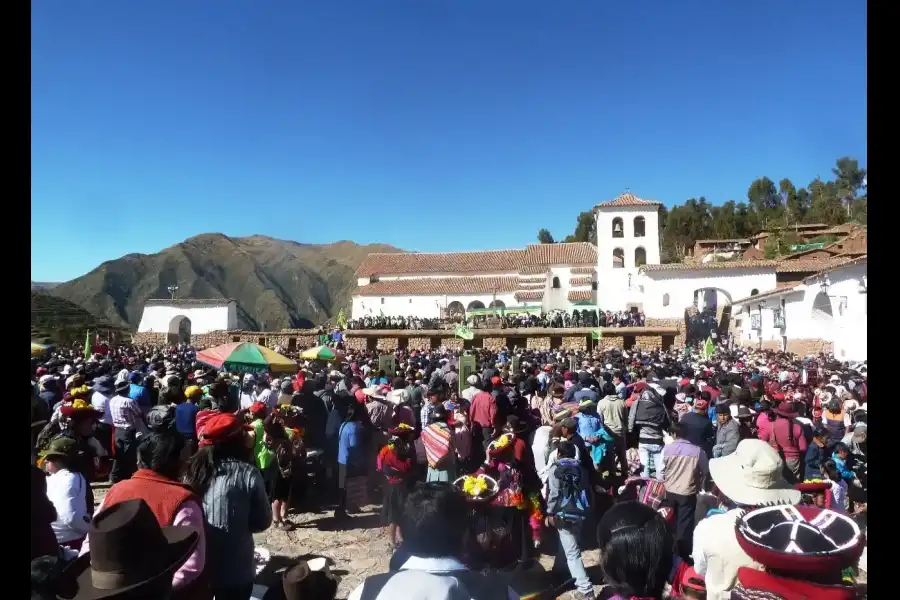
(754, 292)
(556, 283)
(618, 258)
(382, 300)
(594, 285)
(410, 300)
(639, 227)
(665, 299)
(618, 228)
(640, 257)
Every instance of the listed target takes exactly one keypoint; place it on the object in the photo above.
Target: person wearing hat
(816, 452)
(173, 503)
(131, 556)
(66, 491)
(49, 390)
(104, 390)
(728, 432)
(395, 462)
(186, 416)
(647, 419)
(235, 503)
(128, 421)
(472, 387)
(286, 397)
(751, 476)
(786, 437)
(746, 422)
(836, 421)
(804, 551)
(611, 409)
(440, 451)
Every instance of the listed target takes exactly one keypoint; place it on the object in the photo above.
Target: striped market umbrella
(246, 357)
(322, 353)
(38, 349)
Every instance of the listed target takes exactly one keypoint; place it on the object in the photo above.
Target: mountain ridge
(276, 283)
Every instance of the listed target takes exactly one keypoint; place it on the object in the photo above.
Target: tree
(765, 200)
(790, 199)
(585, 229)
(544, 237)
(849, 179)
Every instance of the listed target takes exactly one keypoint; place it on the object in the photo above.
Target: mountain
(54, 319)
(37, 286)
(276, 283)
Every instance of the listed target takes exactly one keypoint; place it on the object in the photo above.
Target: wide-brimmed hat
(401, 430)
(219, 427)
(800, 539)
(373, 392)
(307, 579)
(744, 412)
(515, 425)
(813, 487)
(116, 565)
(788, 410)
(104, 385)
(60, 447)
(751, 476)
(122, 386)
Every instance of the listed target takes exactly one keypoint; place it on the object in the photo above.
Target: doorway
(516, 342)
(628, 342)
(555, 341)
(668, 341)
(371, 343)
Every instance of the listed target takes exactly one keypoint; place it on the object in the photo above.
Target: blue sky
(428, 124)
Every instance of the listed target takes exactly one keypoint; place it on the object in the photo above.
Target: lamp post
(172, 289)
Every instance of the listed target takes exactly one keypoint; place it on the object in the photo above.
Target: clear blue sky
(428, 124)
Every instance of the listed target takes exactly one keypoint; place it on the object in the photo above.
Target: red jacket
(164, 497)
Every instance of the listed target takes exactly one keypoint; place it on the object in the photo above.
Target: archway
(822, 312)
(497, 304)
(475, 304)
(618, 227)
(711, 314)
(618, 258)
(455, 308)
(640, 256)
(180, 330)
(556, 283)
(640, 227)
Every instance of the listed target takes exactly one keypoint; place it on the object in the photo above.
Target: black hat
(116, 565)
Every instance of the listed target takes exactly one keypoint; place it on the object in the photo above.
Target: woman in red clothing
(395, 461)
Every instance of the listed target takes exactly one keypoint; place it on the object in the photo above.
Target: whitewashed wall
(162, 319)
(847, 328)
(606, 243)
(680, 285)
(424, 307)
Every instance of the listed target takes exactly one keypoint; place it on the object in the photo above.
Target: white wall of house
(837, 314)
(166, 319)
(666, 294)
(424, 307)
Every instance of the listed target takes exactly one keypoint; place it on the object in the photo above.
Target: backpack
(573, 493)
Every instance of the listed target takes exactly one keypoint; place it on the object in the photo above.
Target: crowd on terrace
(556, 319)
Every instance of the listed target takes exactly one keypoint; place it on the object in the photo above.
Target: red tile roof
(404, 263)
(582, 270)
(628, 199)
(580, 295)
(535, 295)
(573, 253)
(725, 241)
(436, 286)
(532, 285)
(729, 264)
(783, 288)
(533, 270)
(580, 281)
(841, 264)
(799, 265)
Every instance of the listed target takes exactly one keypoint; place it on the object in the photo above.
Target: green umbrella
(322, 353)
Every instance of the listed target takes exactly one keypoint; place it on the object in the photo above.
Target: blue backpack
(573, 493)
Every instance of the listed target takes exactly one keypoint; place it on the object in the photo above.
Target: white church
(623, 272)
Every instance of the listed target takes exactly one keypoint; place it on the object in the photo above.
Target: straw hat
(751, 476)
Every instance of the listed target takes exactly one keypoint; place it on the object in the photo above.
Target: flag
(708, 348)
(596, 334)
(464, 332)
(341, 320)
(87, 345)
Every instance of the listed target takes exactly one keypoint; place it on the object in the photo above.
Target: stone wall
(574, 342)
(155, 339)
(673, 323)
(355, 343)
(419, 343)
(648, 342)
(802, 347)
(612, 342)
(387, 344)
(538, 343)
(494, 343)
(452, 343)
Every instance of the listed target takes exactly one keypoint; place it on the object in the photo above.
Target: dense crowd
(693, 475)
(556, 318)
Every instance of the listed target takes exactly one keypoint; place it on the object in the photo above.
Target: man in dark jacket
(697, 428)
(647, 420)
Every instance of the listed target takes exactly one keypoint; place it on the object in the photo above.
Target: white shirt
(267, 397)
(419, 579)
(717, 554)
(67, 491)
(540, 439)
(101, 403)
(839, 495)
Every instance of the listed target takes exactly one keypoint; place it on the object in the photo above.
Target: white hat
(472, 379)
(67, 370)
(44, 379)
(751, 476)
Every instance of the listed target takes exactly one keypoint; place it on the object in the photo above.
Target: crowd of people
(692, 475)
(501, 320)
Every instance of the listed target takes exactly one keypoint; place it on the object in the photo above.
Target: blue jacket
(813, 460)
(350, 444)
(139, 394)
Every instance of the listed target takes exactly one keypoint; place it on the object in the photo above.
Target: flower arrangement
(474, 486)
(477, 487)
(503, 441)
